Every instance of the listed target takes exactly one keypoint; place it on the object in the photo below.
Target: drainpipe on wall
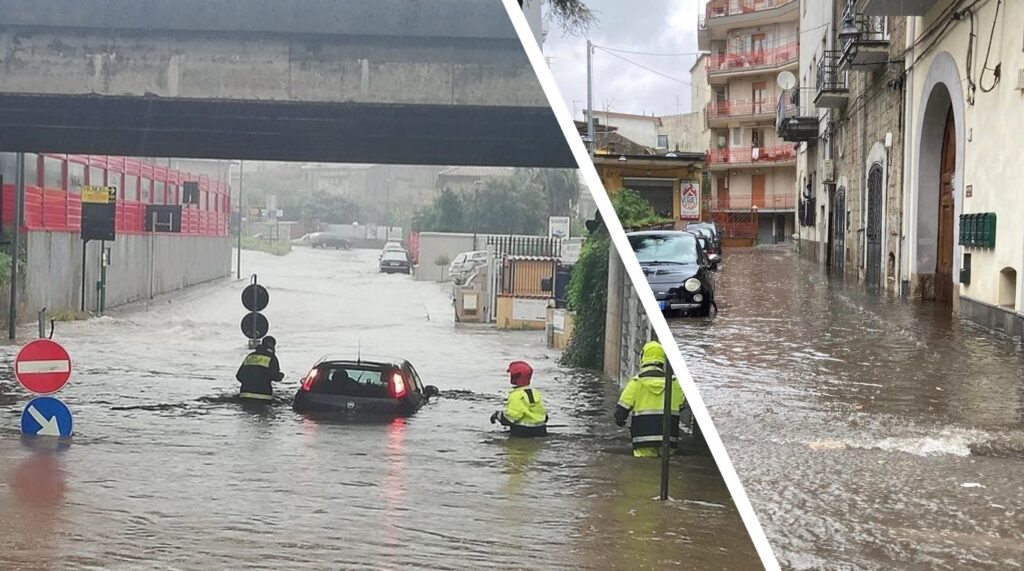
(909, 143)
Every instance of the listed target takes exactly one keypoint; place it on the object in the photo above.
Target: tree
(573, 16)
(561, 188)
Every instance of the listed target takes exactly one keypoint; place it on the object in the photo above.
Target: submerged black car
(377, 388)
(677, 269)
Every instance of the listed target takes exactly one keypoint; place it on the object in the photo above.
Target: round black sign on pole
(255, 297)
(255, 325)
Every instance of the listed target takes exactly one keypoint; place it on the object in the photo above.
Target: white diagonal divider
(621, 243)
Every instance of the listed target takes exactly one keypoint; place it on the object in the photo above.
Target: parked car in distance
(677, 269)
(380, 387)
(391, 247)
(395, 261)
(463, 265)
(327, 240)
(716, 235)
(706, 243)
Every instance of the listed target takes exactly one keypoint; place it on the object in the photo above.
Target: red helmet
(520, 373)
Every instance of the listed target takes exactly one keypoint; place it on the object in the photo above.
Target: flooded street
(869, 433)
(168, 471)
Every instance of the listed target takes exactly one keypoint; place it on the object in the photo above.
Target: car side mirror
(430, 391)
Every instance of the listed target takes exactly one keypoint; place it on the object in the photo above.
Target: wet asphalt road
(167, 471)
(869, 433)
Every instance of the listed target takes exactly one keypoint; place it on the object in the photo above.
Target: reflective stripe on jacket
(643, 400)
(524, 413)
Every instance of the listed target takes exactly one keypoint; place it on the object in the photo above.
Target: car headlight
(692, 285)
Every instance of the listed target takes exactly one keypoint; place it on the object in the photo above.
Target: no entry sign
(42, 367)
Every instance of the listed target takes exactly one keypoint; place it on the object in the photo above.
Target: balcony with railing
(832, 91)
(751, 60)
(864, 40)
(739, 156)
(726, 201)
(726, 8)
(896, 7)
(793, 122)
(722, 111)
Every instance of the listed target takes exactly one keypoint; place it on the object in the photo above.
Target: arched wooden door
(944, 246)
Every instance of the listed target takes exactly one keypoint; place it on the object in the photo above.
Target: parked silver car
(464, 264)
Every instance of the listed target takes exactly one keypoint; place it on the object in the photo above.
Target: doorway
(723, 193)
(838, 217)
(873, 271)
(757, 190)
(944, 242)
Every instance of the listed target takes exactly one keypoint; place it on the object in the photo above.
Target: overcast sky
(653, 26)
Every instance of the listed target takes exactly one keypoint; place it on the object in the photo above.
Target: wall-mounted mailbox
(978, 230)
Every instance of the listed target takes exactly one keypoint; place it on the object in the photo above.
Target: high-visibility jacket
(524, 413)
(259, 369)
(643, 401)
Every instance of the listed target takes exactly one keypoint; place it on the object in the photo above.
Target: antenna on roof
(359, 352)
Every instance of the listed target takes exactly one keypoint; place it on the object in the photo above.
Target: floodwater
(167, 471)
(869, 433)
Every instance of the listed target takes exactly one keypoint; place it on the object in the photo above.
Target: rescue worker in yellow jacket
(524, 412)
(259, 369)
(643, 403)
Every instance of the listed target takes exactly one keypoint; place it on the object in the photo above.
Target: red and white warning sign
(42, 366)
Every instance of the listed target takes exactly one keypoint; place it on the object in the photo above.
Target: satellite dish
(786, 80)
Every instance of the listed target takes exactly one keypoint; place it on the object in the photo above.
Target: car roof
(362, 360)
(662, 233)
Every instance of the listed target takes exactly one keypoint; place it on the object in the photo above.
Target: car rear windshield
(354, 380)
(393, 256)
(671, 248)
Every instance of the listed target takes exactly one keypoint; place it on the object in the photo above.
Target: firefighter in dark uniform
(643, 403)
(524, 412)
(259, 369)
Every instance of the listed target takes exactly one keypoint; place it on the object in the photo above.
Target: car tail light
(311, 377)
(397, 386)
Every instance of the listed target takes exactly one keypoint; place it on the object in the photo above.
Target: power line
(642, 66)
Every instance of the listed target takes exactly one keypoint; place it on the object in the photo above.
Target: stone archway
(941, 105)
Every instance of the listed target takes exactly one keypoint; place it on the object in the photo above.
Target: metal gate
(839, 231)
(873, 272)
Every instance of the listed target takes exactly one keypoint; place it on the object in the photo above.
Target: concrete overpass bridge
(387, 81)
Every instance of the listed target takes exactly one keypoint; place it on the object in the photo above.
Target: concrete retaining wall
(140, 266)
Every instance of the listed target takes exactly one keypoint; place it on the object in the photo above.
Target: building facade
(846, 111)
(753, 171)
(682, 132)
(964, 210)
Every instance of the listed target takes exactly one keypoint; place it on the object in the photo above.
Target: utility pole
(590, 97)
(241, 173)
(19, 205)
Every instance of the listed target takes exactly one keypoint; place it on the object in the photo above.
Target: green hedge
(587, 295)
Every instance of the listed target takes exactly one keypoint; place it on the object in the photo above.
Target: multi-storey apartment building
(753, 171)
(847, 112)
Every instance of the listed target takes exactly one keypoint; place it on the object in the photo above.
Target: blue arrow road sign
(47, 416)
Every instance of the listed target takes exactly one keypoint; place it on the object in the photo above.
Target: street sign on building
(99, 207)
(689, 200)
(42, 366)
(47, 416)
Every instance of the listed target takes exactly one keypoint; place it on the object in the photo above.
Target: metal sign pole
(241, 177)
(85, 244)
(19, 198)
(666, 430)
